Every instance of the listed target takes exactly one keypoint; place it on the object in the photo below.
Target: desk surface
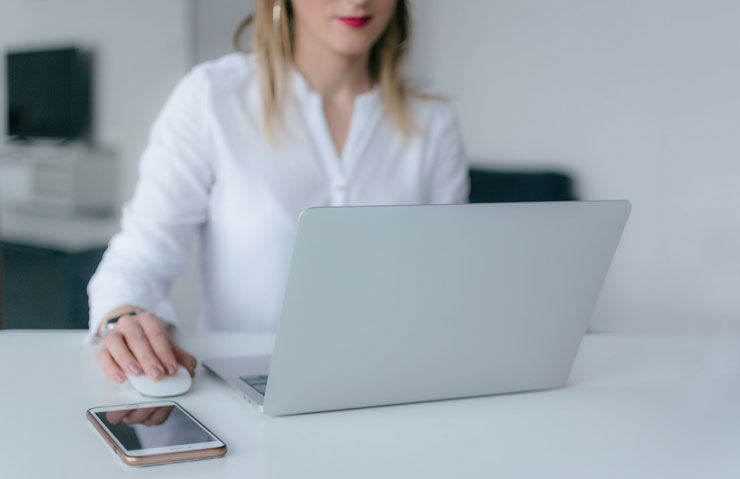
(635, 406)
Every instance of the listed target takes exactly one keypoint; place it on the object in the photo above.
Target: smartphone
(155, 433)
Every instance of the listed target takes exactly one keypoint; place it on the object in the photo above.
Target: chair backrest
(1, 286)
(499, 186)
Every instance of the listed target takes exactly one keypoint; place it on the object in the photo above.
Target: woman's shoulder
(429, 108)
(235, 67)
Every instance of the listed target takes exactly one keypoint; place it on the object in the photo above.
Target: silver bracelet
(110, 323)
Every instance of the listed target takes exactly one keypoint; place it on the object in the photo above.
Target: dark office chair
(44, 288)
(1, 287)
(499, 186)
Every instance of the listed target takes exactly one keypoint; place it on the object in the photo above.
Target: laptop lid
(399, 304)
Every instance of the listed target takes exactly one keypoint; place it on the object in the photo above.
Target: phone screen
(153, 427)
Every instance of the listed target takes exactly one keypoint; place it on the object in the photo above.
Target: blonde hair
(272, 43)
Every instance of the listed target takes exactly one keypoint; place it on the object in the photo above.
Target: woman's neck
(331, 74)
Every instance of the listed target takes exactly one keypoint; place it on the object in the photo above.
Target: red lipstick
(355, 22)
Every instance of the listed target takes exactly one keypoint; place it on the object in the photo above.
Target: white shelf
(61, 180)
(69, 234)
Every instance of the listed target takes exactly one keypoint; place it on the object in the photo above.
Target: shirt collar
(303, 92)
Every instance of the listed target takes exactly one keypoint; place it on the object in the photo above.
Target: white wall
(142, 48)
(215, 24)
(640, 101)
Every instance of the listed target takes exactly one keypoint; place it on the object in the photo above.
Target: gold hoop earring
(276, 14)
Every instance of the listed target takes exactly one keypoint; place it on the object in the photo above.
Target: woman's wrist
(113, 316)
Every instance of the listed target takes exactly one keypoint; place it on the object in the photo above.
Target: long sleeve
(169, 204)
(448, 176)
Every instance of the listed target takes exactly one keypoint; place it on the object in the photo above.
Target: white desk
(636, 406)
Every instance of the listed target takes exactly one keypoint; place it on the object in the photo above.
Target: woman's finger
(159, 341)
(139, 345)
(120, 352)
(184, 358)
(159, 416)
(110, 368)
(139, 416)
(114, 417)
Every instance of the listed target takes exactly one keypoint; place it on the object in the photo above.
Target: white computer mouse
(167, 386)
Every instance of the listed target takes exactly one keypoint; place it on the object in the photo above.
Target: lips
(355, 22)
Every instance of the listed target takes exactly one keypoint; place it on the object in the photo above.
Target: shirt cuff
(162, 309)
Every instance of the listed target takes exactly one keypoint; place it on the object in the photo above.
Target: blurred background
(623, 100)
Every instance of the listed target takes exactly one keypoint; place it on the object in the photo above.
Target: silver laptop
(400, 304)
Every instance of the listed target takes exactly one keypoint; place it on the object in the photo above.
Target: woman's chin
(352, 47)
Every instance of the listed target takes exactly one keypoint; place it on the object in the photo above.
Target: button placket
(339, 193)
(338, 168)
(327, 152)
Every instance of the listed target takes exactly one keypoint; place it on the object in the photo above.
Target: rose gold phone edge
(170, 457)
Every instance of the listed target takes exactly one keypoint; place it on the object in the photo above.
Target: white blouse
(208, 171)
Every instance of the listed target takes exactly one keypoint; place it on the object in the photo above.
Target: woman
(318, 115)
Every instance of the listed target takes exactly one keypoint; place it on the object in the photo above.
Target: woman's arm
(157, 228)
(448, 177)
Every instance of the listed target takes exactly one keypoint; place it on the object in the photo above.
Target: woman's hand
(149, 416)
(139, 344)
